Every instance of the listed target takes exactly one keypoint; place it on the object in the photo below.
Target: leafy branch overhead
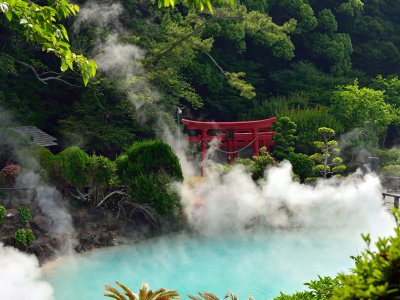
(41, 25)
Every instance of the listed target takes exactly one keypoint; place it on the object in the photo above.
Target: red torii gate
(231, 135)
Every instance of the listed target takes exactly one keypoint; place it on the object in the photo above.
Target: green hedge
(149, 157)
(148, 168)
(71, 164)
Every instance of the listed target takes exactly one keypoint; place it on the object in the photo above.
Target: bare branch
(45, 79)
(218, 66)
(110, 195)
(81, 196)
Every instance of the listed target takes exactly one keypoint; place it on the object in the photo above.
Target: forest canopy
(219, 60)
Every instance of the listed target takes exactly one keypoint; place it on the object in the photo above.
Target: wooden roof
(39, 137)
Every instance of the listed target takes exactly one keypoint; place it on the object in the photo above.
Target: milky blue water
(259, 264)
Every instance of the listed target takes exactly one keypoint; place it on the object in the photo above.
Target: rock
(12, 215)
(7, 234)
(43, 249)
(42, 223)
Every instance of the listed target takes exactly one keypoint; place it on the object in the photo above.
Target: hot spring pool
(259, 264)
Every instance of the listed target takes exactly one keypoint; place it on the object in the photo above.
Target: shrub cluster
(25, 215)
(146, 169)
(24, 237)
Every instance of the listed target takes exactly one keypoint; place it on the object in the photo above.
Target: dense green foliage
(46, 160)
(299, 59)
(355, 107)
(302, 164)
(256, 165)
(146, 171)
(25, 215)
(71, 164)
(148, 168)
(24, 237)
(284, 138)
(153, 157)
(41, 25)
(3, 212)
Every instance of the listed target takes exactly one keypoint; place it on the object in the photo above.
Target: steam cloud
(234, 202)
(50, 203)
(99, 14)
(121, 61)
(21, 276)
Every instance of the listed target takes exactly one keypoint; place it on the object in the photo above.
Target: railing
(396, 197)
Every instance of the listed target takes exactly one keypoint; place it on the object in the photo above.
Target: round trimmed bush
(46, 160)
(71, 164)
(148, 168)
(24, 237)
(302, 165)
(148, 157)
(25, 215)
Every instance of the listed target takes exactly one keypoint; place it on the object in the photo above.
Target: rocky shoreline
(93, 229)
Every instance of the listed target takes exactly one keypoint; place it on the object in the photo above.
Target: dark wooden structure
(396, 197)
(38, 136)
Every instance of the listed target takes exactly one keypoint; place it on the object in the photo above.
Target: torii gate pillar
(203, 150)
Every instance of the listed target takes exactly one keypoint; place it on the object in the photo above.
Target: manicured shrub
(302, 165)
(25, 214)
(125, 169)
(257, 164)
(24, 237)
(102, 175)
(71, 164)
(101, 171)
(148, 168)
(327, 158)
(46, 160)
(285, 138)
(3, 212)
(262, 162)
(153, 157)
(153, 190)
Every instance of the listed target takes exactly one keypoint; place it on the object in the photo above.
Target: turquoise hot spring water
(257, 263)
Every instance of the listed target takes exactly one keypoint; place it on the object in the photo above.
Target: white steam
(232, 201)
(121, 61)
(98, 14)
(49, 200)
(21, 276)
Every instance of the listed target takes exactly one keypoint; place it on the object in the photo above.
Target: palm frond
(144, 293)
(231, 295)
(208, 296)
(113, 293)
(128, 292)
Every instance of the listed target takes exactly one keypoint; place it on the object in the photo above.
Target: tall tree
(355, 106)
